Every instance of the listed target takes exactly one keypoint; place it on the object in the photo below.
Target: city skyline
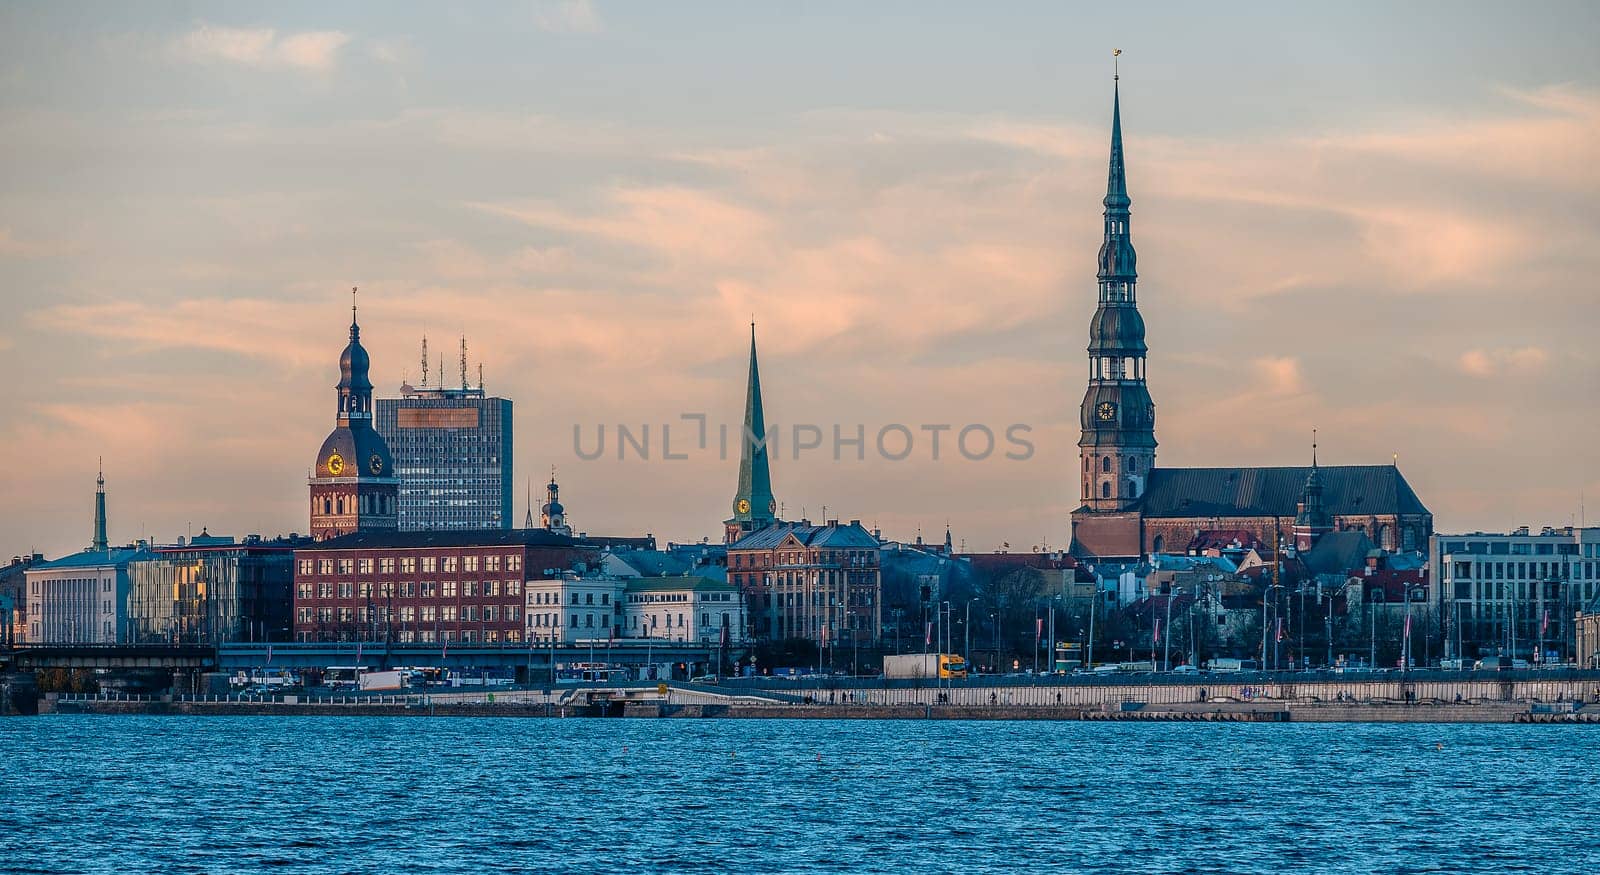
(1407, 274)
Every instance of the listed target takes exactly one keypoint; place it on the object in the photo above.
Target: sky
(1375, 220)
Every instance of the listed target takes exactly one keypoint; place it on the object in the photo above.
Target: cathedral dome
(354, 451)
(1116, 331)
(355, 367)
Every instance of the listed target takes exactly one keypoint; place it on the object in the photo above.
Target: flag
(269, 654)
(1408, 629)
(1038, 628)
(1277, 634)
(358, 652)
(443, 651)
(927, 636)
(1544, 624)
(1155, 635)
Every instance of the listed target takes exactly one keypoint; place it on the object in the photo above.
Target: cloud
(568, 16)
(1279, 375)
(263, 48)
(14, 247)
(1503, 360)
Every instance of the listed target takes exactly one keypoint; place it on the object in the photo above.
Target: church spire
(100, 541)
(753, 503)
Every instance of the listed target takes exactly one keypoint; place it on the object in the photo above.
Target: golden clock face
(335, 464)
(375, 464)
(743, 506)
(1107, 411)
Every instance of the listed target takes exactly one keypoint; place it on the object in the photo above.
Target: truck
(1226, 665)
(924, 666)
(382, 681)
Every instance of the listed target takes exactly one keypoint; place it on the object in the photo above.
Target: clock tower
(1117, 448)
(754, 508)
(354, 487)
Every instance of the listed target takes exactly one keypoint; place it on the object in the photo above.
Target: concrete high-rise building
(452, 452)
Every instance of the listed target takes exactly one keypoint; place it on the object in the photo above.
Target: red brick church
(1131, 507)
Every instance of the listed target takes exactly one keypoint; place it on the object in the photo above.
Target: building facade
(1505, 594)
(82, 598)
(353, 487)
(1129, 507)
(452, 454)
(820, 583)
(428, 585)
(213, 593)
(683, 608)
(14, 592)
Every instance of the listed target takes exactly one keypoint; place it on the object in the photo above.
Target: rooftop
(1246, 492)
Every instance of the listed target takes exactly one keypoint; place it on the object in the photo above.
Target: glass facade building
(452, 453)
(211, 594)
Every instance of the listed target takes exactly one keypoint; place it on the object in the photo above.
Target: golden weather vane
(1115, 54)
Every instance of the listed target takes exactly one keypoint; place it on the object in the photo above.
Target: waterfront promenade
(1472, 697)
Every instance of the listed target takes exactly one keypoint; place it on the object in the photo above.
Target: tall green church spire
(100, 542)
(753, 505)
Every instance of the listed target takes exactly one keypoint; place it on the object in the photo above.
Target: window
(430, 564)
(430, 589)
(514, 562)
(364, 590)
(429, 613)
(386, 566)
(324, 590)
(303, 615)
(491, 563)
(364, 566)
(408, 589)
(492, 587)
(324, 566)
(1105, 490)
(488, 613)
(450, 563)
(447, 613)
(408, 614)
(449, 587)
(512, 612)
(408, 565)
(302, 590)
(574, 621)
(574, 600)
(306, 566)
(469, 563)
(347, 566)
(589, 598)
(514, 587)
(469, 587)
(1105, 464)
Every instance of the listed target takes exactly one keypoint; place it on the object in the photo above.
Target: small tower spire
(424, 360)
(528, 522)
(100, 541)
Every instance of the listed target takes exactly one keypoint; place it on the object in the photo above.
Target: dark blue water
(195, 794)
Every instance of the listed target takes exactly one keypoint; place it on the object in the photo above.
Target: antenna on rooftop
(480, 376)
(424, 360)
(463, 361)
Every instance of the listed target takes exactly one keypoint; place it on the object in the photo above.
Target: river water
(448, 795)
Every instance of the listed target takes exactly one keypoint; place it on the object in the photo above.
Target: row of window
(412, 614)
(428, 589)
(856, 558)
(1524, 570)
(408, 636)
(409, 564)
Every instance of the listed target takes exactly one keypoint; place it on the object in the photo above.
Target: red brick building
(816, 582)
(465, 586)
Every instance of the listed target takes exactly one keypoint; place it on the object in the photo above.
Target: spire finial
(1313, 448)
(1115, 72)
(353, 305)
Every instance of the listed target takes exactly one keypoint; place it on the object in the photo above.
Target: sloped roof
(680, 583)
(839, 536)
(1347, 490)
(651, 563)
(93, 559)
(1337, 552)
(450, 538)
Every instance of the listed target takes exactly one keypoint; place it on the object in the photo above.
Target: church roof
(851, 535)
(1347, 490)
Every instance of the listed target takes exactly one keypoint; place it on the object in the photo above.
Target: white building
(82, 598)
(689, 608)
(1504, 593)
(570, 609)
(681, 608)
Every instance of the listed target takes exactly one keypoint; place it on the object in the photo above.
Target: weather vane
(1115, 73)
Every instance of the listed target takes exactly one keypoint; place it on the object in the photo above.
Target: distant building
(353, 488)
(452, 452)
(82, 598)
(433, 585)
(577, 609)
(1587, 634)
(13, 590)
(821, 583)
(213, 591)
(553, 514)
(1503, 593)
(1130, 507)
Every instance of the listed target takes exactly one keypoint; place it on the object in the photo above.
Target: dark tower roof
(755, 476)
(360, 450)
(100, 540)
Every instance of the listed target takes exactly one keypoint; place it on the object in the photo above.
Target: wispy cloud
(568, 16)
(263, 48)
(1503, 360)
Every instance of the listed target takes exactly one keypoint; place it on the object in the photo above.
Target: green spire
(753, 504)
(100, 542)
